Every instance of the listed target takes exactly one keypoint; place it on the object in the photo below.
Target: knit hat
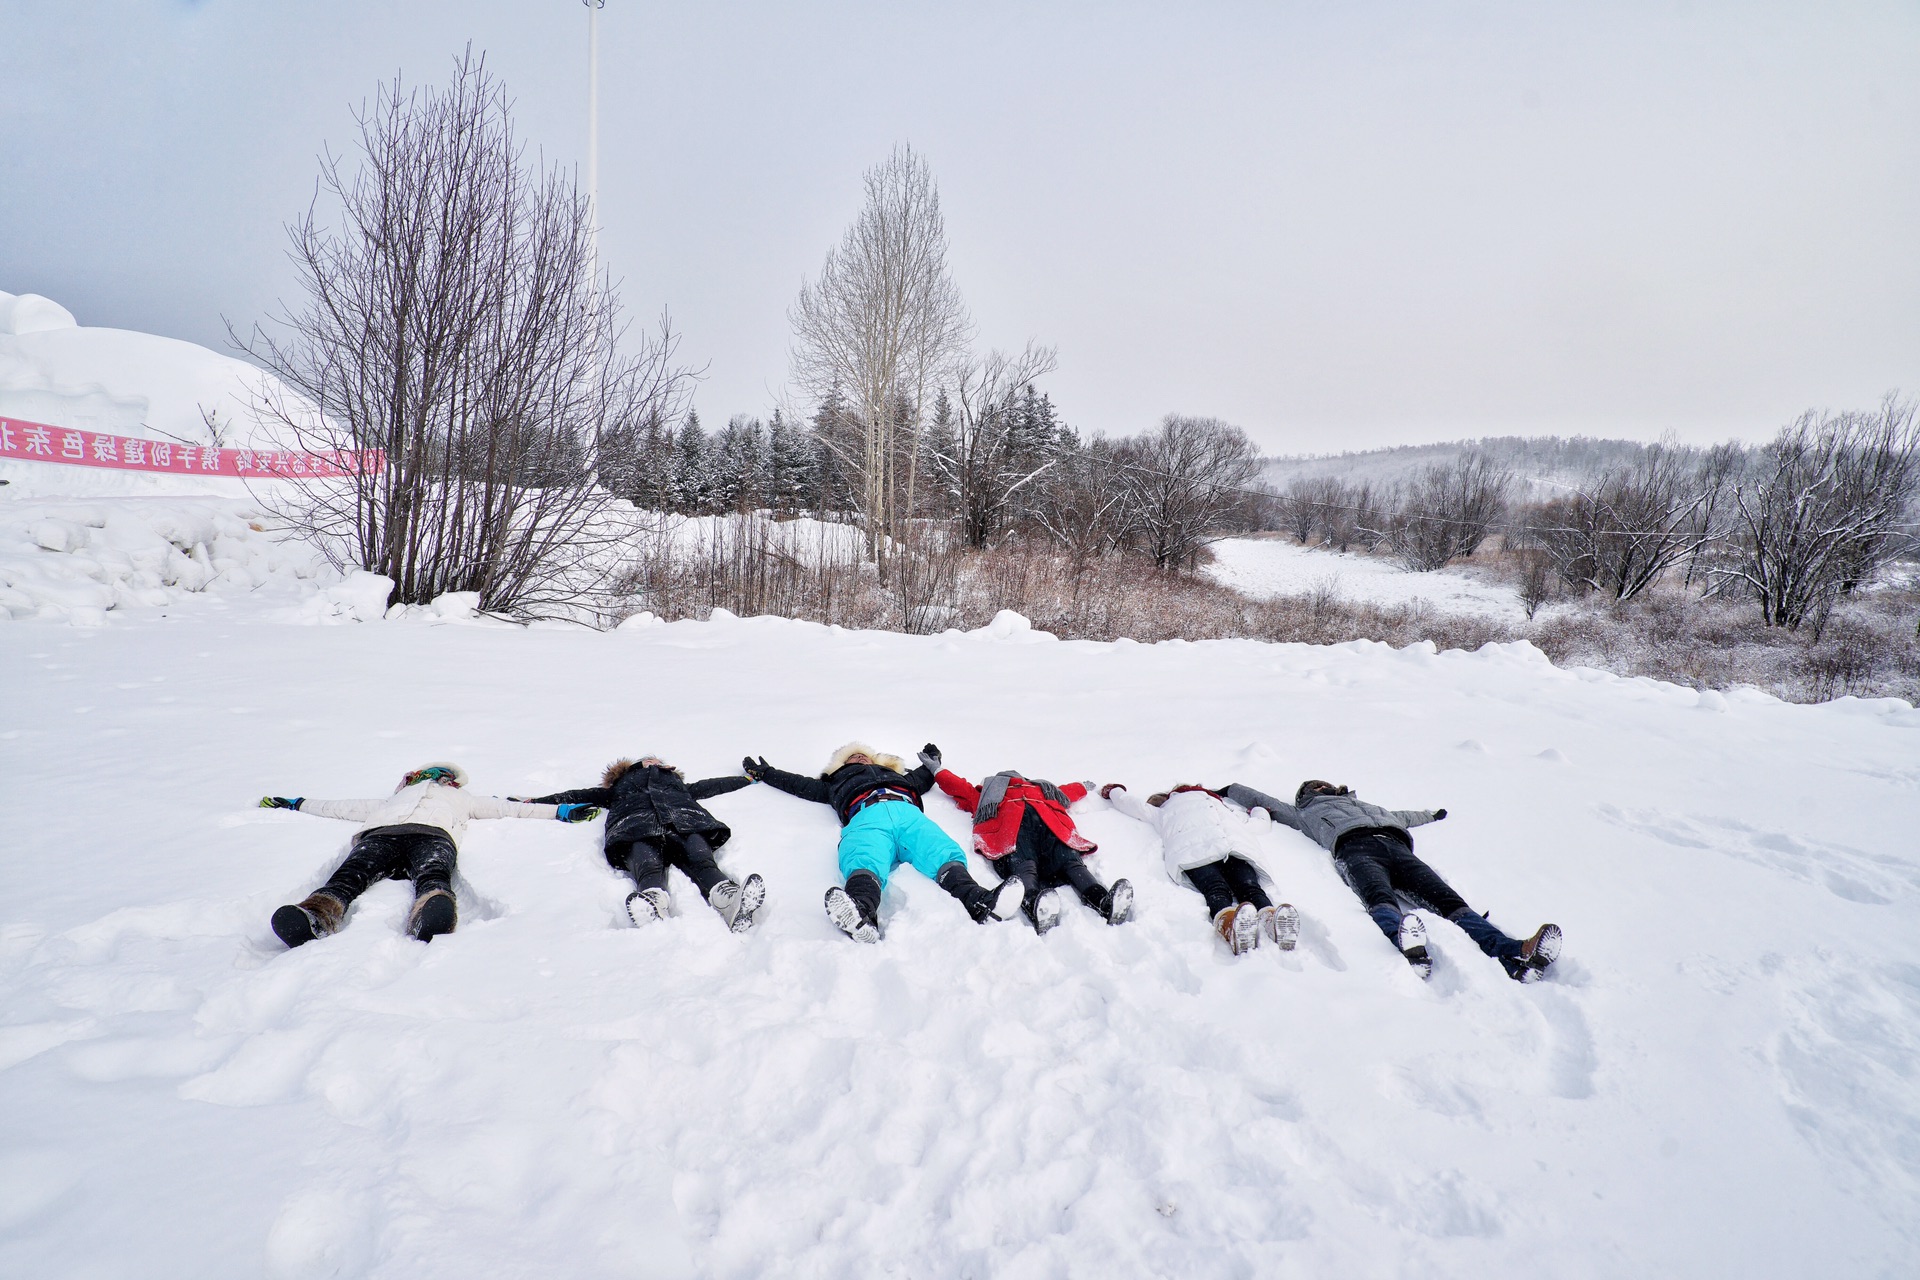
(440, 771)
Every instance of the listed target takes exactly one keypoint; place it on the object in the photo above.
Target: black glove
(930, 757)
(754, 769)
(1439, 814)
(281, 802)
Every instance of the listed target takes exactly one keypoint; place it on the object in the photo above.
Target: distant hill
(1541, 463)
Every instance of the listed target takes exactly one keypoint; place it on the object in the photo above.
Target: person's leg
(1414, 880)
(644, 862)
(866, 856)
(1212, 884)
(430, 863)
(324, 911)
(1244, 879)
(737, 903)
(1358, 863)
(1237, 927)
(933, 853)
(694, 856)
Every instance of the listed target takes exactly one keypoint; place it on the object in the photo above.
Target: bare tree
(1186, 485)
(450, 324)
(1621, 532)
(1825, 511)
(878, 327)
(1083, 502)
(985, 462)
(1449, 511)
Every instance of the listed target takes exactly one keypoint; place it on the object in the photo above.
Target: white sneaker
(1413, 945)
(648, 905)
(1281, 924)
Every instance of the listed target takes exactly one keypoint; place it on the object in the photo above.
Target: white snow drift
(1718, 1081)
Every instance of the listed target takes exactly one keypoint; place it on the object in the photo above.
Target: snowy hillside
(1718, 1081)
(57, 372)
(1277, 566)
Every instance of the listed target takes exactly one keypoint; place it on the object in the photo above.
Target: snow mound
(31, 313)
(68, 561)
(123, 383)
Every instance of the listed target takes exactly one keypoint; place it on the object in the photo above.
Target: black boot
(1117, 903)
(981, 904)
(855, 910)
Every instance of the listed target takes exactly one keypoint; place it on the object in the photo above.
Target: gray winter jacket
(1324, 819)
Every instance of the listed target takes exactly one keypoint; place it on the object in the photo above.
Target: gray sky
(1338, 225)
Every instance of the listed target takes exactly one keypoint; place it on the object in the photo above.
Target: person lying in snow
(878, 802)
(1022, 826)
(1373, 851)
(1210, 845)
(655, 821)
(413, 834)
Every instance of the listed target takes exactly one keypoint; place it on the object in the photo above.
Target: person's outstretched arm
(814, 789)
(1419, 817)
(920, 777)
(1278, 810)
(964, 793)
(500, 807)
(707, 788)
(599, 797)
(1126, 802)
(1077, 791)
(345, 810)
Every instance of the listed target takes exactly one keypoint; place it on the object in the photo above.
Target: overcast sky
(1337, 225)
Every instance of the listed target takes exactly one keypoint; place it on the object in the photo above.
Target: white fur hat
(881, 758)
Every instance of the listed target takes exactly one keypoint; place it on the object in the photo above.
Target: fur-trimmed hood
(618, 769)
(838, 759)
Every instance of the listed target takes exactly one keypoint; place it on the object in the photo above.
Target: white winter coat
(1195, 829)
(427, 803)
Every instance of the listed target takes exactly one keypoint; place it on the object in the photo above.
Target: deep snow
(1720, 1080)
(1274, 566)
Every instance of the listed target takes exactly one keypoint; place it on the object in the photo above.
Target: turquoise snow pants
(882, 836)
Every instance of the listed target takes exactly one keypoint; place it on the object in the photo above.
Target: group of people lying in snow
(1023, 826)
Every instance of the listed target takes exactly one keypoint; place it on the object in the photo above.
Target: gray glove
(930, 757)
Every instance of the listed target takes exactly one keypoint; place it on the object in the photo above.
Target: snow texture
(1719, 1079)
(1268, 567)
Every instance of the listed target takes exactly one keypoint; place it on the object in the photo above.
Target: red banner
(38, 442)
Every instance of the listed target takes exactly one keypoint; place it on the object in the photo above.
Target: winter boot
(738, 903)
(316, 916)
(982, 904)
(433, 914)
(1238, 927)
(1413, 945)
(647, 905)
(1536, 953)
(855, 910)
(1044, 912)
(1281, 925)
(1117, 906)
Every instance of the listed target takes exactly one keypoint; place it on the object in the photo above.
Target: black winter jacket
(650, 803)
(851, 781)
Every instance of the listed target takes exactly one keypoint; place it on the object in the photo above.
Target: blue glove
(576, 812)
(281, 802)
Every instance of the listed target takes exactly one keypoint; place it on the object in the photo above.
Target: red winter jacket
(996, 839)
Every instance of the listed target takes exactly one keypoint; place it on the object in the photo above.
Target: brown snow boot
(1238, 927)
(314, 916)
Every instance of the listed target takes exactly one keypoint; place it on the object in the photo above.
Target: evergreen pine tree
(692, 486)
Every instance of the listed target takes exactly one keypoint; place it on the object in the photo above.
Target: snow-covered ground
(1720, 1079)
(1267, 567)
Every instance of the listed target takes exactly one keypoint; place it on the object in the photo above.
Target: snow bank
(57, 372)
(1268, 567)
(1718, 1081)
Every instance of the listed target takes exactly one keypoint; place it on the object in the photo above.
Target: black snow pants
(411, 851)
(1227, 883)
(1380, 867)
(647, 861)
(1040, 860)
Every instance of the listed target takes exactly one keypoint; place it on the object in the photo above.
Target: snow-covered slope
(1719, 1081)
(124, 383)
(1274, 566)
